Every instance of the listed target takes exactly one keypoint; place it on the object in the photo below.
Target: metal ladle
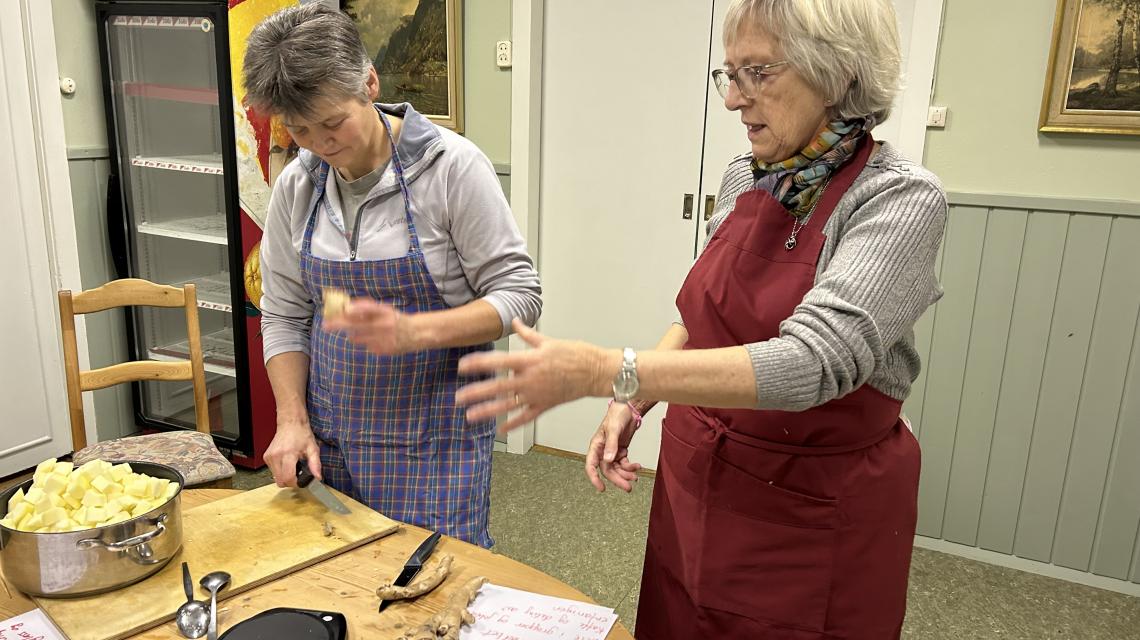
(192, 616)
(214, 582)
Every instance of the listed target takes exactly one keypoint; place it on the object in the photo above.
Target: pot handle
(143, 538)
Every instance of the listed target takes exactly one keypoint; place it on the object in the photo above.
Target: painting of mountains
(416, 49)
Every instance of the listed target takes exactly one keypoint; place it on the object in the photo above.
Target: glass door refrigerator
(191, 174)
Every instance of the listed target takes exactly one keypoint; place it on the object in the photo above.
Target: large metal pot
(79, 563)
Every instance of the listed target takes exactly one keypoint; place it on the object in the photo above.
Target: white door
(37, 248)
(623, 114)
(919, 24)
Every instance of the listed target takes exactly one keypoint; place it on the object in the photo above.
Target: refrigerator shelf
(213, 291)
(204, 25)
(175, 93)
(208, 229)
(217, 352)
(204, 163)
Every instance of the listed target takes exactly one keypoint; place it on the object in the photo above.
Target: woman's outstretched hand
(550, 373)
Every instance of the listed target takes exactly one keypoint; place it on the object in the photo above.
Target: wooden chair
(191, 452)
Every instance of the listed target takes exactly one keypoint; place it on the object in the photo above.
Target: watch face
(625, 385)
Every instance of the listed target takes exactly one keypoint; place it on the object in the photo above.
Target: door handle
(710, 204)
(687, 207)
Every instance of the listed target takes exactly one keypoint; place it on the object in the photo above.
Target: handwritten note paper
(32, 625)
(502, 613)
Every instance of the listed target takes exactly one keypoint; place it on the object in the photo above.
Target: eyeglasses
(749, 79)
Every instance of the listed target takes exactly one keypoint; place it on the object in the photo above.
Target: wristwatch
(626, 384)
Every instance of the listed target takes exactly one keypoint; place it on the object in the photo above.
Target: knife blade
(413, 565)
(306, 480)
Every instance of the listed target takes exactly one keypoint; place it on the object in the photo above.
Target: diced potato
(53, 516)
(46, 466)
(100, 483)
(158, 487)
(21, 511)
(94, 499)
(121, 516)
(34, 495)
(43, 503)
(64, 497)
(16, 499)
(32, 522)
(55, 484)
(120, 471)
(138, 487)
(96, 515)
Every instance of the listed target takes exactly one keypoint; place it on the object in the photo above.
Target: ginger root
(335, 302)
(424, 582)
(446, 623)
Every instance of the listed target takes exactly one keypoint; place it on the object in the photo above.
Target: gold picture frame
(1092, 83)
(406, 44)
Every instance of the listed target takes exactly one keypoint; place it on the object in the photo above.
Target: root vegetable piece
(424, 582)
(446, 623)
(45, 467)
(63, 468)
(335, 302)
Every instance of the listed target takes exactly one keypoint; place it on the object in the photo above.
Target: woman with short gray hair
(785, 499)
(389, 253)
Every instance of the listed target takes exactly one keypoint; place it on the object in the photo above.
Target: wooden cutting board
(256, 536)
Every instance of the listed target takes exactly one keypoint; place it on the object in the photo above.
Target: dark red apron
(772, 524)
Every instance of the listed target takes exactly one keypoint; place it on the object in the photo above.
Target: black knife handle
(304, 476)
(424, 551)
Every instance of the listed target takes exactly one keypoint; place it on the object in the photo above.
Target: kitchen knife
(413, 565)
(306, 480)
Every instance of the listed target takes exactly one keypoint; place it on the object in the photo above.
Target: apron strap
(320, 201)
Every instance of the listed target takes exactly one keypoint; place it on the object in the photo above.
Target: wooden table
(347, 583)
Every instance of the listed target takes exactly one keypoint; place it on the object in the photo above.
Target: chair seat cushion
(190, 452)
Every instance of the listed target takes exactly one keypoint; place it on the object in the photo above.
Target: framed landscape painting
(1092, 84)
(417, 49)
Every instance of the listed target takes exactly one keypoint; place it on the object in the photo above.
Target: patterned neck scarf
(805, 173)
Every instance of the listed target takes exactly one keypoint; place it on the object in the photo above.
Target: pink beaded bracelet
(637, 417)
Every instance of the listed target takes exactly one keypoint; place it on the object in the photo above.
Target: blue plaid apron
(388, 428)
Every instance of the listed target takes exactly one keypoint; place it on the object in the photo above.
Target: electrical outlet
(936, 117)
(503, 54)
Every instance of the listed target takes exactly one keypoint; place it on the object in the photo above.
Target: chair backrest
(123, 293)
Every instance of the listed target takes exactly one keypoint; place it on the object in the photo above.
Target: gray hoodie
(469, 238)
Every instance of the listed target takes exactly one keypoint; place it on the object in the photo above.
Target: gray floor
(544, 513)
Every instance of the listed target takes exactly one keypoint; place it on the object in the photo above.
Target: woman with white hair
(785, 498)
(409, 220)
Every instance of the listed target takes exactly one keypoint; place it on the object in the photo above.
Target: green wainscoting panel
(985, 360)
(1033, 304)
(1028, 405)
(965, 237)
(1098, 413)
(1065, 360)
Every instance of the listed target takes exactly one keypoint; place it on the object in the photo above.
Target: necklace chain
(801, 222)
